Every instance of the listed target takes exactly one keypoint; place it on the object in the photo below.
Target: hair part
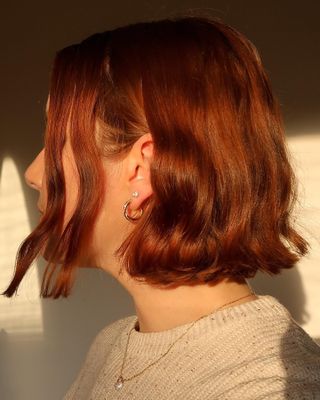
(223, 186)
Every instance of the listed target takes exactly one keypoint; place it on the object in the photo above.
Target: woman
(165, 164)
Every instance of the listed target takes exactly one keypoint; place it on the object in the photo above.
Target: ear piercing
(125, 209)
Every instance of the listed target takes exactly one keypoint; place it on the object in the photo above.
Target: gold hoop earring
(127, 216)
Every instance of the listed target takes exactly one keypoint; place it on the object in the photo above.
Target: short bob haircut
(223, 185)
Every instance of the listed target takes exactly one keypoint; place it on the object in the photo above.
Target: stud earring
(135, 194)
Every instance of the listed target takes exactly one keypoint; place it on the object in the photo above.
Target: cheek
(108, 221)
(111, 226)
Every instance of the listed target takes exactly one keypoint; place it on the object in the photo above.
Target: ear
(138, 172)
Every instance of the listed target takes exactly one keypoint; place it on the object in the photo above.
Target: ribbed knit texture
(250, 351)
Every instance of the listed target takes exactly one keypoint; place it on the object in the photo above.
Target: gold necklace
(120, 381)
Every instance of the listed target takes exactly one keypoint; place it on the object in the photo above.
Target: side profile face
(122, 177)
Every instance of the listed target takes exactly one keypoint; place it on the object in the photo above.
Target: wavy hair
(223, 185)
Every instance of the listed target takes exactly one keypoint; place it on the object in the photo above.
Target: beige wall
(43, 342)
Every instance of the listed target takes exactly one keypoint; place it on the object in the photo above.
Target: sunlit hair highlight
(223, 186)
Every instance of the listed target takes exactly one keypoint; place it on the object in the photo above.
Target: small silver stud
(135, 194)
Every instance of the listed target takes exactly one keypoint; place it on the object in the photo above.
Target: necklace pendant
(118, 385)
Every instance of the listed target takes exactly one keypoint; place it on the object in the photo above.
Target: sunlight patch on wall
(305, 150)
(22, 313)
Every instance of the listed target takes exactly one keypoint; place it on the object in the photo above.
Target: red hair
(223, 186)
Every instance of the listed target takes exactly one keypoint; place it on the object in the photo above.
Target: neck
(163, 309)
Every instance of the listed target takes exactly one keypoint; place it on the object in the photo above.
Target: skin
(156, 309)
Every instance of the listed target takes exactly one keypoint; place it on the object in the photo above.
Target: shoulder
(279, 330)
(259, 351)
(273, 355)
(271, 331)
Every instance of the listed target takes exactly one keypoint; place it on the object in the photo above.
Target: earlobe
(139, 172)
(140, 183)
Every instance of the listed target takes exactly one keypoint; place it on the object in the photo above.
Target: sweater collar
(154, 343)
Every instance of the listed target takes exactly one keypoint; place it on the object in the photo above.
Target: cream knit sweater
(250, 351)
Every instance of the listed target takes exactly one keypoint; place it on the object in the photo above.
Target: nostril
(33, 174)
(32, 184)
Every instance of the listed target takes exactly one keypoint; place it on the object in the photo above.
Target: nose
(34, 173)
